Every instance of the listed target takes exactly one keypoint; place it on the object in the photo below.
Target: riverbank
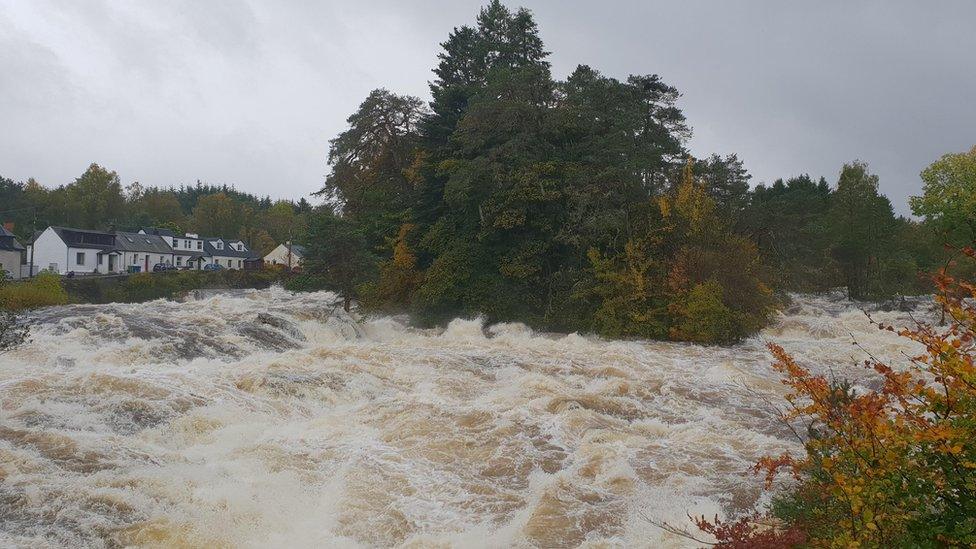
(48, 289)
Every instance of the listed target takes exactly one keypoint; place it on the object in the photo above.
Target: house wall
(186, 243)
(226, 262)
(90, 264)
(103, 264)
(181, 260)
(10, 261)
(138, 259)
(49, 249)
(279, 256)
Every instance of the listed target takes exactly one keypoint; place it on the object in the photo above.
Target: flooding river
(267, 419)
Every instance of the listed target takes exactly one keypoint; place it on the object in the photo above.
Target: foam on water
(263, 418)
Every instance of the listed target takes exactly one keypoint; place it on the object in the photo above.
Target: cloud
(249, 93)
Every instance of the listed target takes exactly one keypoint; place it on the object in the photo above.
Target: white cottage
(140, 252)
(187, 250)
(230, 254)
(63, 250)
(287, 254)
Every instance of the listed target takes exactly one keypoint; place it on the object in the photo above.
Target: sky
(248, 93)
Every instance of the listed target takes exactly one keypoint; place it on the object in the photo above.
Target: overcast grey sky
(249, 93)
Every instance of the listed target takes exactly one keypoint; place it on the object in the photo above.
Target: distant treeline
(97, 200)
(575, 205)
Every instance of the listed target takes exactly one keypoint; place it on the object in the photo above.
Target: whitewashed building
(63, 250)
(187, 251)
(287, 254)
(141, 252)
(229, 254)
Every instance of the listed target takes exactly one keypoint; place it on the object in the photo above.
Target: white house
(141, 252)
(187, 251)
(230, 254)
(63, 250)
(11, 253)
(287, 254)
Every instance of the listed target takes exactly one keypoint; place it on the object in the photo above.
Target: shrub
(41, 291)
(305, 283)
(893, 466)
(702, 317)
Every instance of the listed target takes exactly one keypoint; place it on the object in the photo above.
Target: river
(267, 419)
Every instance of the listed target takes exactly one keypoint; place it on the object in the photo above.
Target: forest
(97, 200)
(575, 205)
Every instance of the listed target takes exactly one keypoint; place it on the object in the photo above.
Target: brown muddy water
(267, 419)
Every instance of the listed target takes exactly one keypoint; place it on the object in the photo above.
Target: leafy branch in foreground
(888, 467)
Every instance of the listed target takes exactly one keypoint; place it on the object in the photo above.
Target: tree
(369, 160)
(280, 221)
(337, 256)
(787, 220)
(156, 206)
(398, 277)
(948, 198)
(95, 198)
(861, 224)
(727, 182)
(218, 215)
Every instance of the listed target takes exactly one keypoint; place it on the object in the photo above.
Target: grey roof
(135, 242)
(8, 241)
(192, 253)
(297, 249)
(157, 231)
(227, 251)
(82, 238)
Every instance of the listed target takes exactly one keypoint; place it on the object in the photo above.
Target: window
(238, 263)
(199, 244)
(179, 260)
(176, 242)
(135, 258)
(80, 258)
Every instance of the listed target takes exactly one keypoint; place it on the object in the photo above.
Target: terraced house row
(65, 250)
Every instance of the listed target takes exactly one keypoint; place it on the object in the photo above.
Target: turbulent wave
(263, 418)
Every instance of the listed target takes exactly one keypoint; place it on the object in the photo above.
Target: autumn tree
(893, 465)
(948, 198)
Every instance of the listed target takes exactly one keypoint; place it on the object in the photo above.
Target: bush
(305, 283)
(894, 466)
(702, 317)
(41, 291)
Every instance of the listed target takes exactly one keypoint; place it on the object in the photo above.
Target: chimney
(9, 225)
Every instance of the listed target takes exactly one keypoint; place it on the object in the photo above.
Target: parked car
(161, 267)
(213, 267)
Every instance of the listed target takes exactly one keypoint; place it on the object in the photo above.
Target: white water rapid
(267, 419)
